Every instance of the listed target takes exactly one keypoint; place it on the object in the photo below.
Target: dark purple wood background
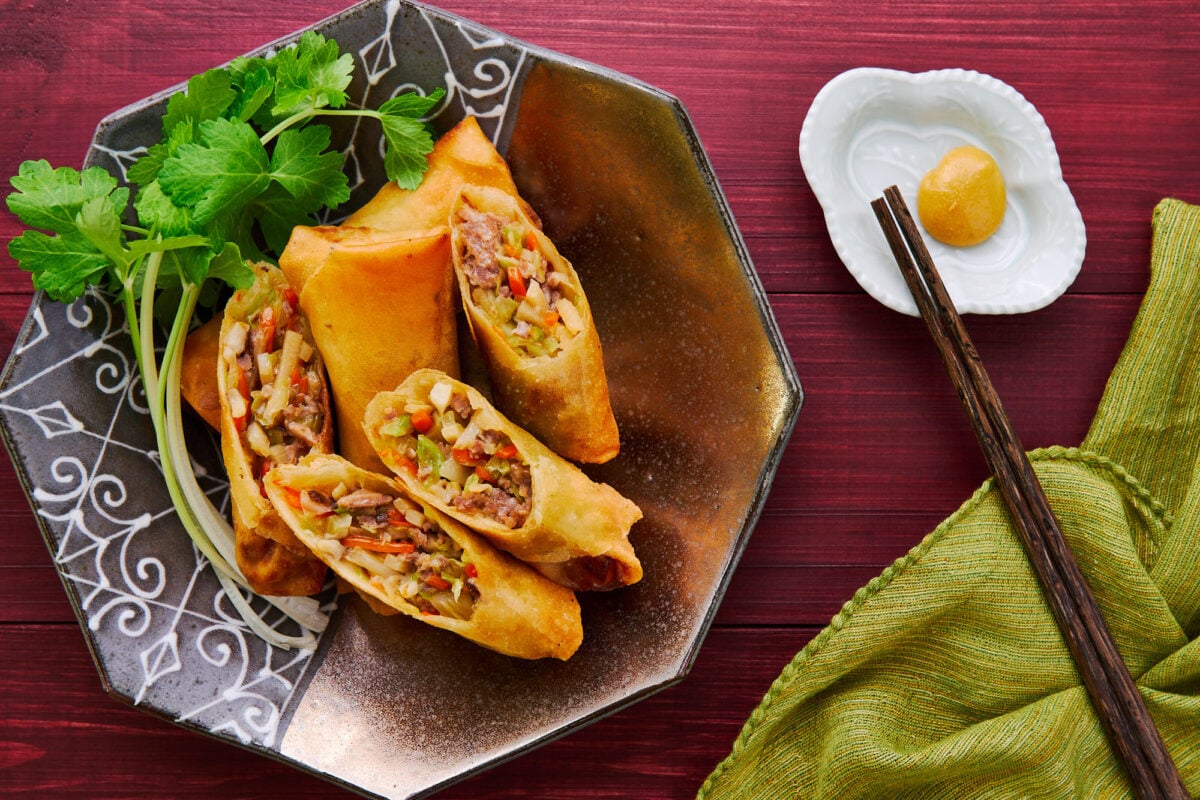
(881, 452)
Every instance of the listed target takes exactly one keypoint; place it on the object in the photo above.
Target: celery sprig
(240, 163)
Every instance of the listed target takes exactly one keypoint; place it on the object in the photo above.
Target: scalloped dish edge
(863, 268)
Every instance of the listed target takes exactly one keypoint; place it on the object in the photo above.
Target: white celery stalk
(207, 528)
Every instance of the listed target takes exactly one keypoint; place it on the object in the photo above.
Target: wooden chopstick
(1113, 693)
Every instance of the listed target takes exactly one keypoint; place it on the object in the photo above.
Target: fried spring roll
(531, 320)
(422, 563)
(274, 409)
(198, 371)
(463, 155)
(380, 306)
(452, 450)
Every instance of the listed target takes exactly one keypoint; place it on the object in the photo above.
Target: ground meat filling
(476, 470)
(481, 240)
(400, 550)
(594, 573)
(275, 391)
(501, 506)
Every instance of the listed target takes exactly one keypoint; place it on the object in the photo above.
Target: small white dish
(870, 128)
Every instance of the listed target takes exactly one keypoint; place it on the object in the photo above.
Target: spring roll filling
(474, 469)
(518, 288)
(397, 547)
(276, 394)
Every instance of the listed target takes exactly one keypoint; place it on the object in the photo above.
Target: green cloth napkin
(946, 677)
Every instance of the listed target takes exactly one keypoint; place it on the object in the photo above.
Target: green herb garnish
(241, 162)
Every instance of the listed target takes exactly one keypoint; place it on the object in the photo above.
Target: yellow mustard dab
(961, 200)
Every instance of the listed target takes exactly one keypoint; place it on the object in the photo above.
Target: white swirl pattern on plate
(870, 128)
(166, 633)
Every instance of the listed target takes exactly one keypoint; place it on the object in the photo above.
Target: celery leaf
(408, 137)
(313, 74)
(311, 173)
(224, 171)
(62, 266)
(207, 97)
(50, 199)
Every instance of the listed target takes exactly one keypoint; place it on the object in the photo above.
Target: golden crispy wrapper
(517, 612)
(561, 398)
(576, 531)
(273, 567)
(380, 305)
(463, 155)
(198, 371)
(375, 604)
(272, 559)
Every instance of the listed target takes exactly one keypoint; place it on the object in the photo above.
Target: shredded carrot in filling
(398, 547)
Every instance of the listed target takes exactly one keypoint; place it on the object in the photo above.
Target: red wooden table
(882, 451)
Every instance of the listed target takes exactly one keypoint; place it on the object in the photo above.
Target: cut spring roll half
(531, 320)
(453, 450)
(274, 410)
(422, 563)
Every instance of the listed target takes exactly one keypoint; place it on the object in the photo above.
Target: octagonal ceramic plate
(387, 706)
(870, 128)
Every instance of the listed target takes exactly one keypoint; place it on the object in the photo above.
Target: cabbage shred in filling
(474, 469)
(399, 548)
(274, 387)
(517, 287)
